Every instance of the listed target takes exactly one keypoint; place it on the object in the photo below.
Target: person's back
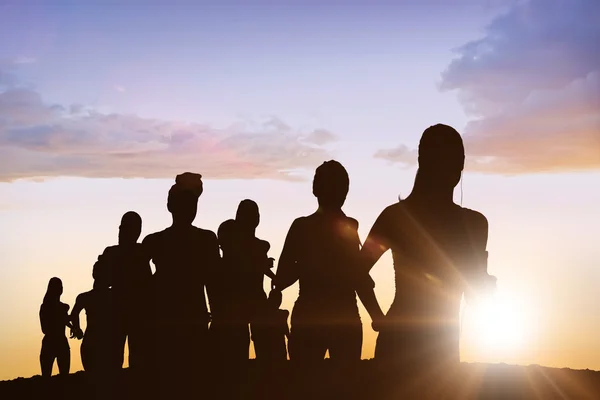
(321, 252)
(432, 252)
(101, 350)
(330, 246)
(126, 268)
(185, 258)
(439, 253)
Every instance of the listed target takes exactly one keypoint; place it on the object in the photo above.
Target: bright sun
(498, 324)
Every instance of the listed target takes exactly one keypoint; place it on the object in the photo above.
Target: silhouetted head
(54, 291)
(274, 299)
(441, 156)
(183, 197)
(130, 228)
(226, 234)
(247, 215)
(331, 184)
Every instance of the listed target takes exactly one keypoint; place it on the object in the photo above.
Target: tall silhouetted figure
(185, 258)
(230, 335)
(54, 317)
(321, 251)
(128, 272)
(271, 329)
(253, 264)
(439, 253)
(101, 349)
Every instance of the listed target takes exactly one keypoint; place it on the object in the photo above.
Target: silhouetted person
(253, 263)
(185, 258)
(128, 272)
(321, 251)
(271, 329)
(439, 252)
(54, 317)
(230, 335)
(101, 349)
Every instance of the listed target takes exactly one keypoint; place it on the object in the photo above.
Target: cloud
(24, 60)
(400, 154)
(320, 137)
(532, 88)
(39, 140)
(119, 88)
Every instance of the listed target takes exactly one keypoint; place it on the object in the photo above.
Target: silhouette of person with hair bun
(126, 268)
(185, 258)
(54, 317)
(321, 252)
(101, 350)
(439, 253)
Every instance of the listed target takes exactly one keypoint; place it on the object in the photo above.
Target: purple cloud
(38, 140)
(532, 87)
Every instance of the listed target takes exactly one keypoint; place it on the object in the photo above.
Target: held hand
(378, 322)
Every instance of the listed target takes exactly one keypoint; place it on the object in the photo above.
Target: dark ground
(365, 380)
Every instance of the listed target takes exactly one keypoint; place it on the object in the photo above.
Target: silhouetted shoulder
(477, 227)
(206, 234)
(264, 245)
(151, 241)
(110, 250)
(353, 223)
(475, 219)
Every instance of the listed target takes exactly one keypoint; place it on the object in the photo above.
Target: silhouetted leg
(64, 357)
(135, 340)
(307, 343)
(345, 342)
(47, 357)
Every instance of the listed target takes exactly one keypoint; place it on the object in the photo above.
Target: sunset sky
(102, 103)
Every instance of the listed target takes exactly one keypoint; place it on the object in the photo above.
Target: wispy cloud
(39, 140)
(24, 60)
(532, 86)
(119, 88)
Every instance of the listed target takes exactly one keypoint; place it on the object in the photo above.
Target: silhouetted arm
(213, 265)
(79, 305)
(376, 244)
(377, 241)
(287, 272)
(148, 249)
(479, 279)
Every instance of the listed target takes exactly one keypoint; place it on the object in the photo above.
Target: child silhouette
(53, 318)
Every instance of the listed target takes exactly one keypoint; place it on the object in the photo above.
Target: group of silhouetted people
(206, 300)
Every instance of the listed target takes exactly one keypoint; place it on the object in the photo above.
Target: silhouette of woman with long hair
(321, 252)
(101, 352)
(185, 258)
(439, 253)
(254, 264)
(54, 318)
